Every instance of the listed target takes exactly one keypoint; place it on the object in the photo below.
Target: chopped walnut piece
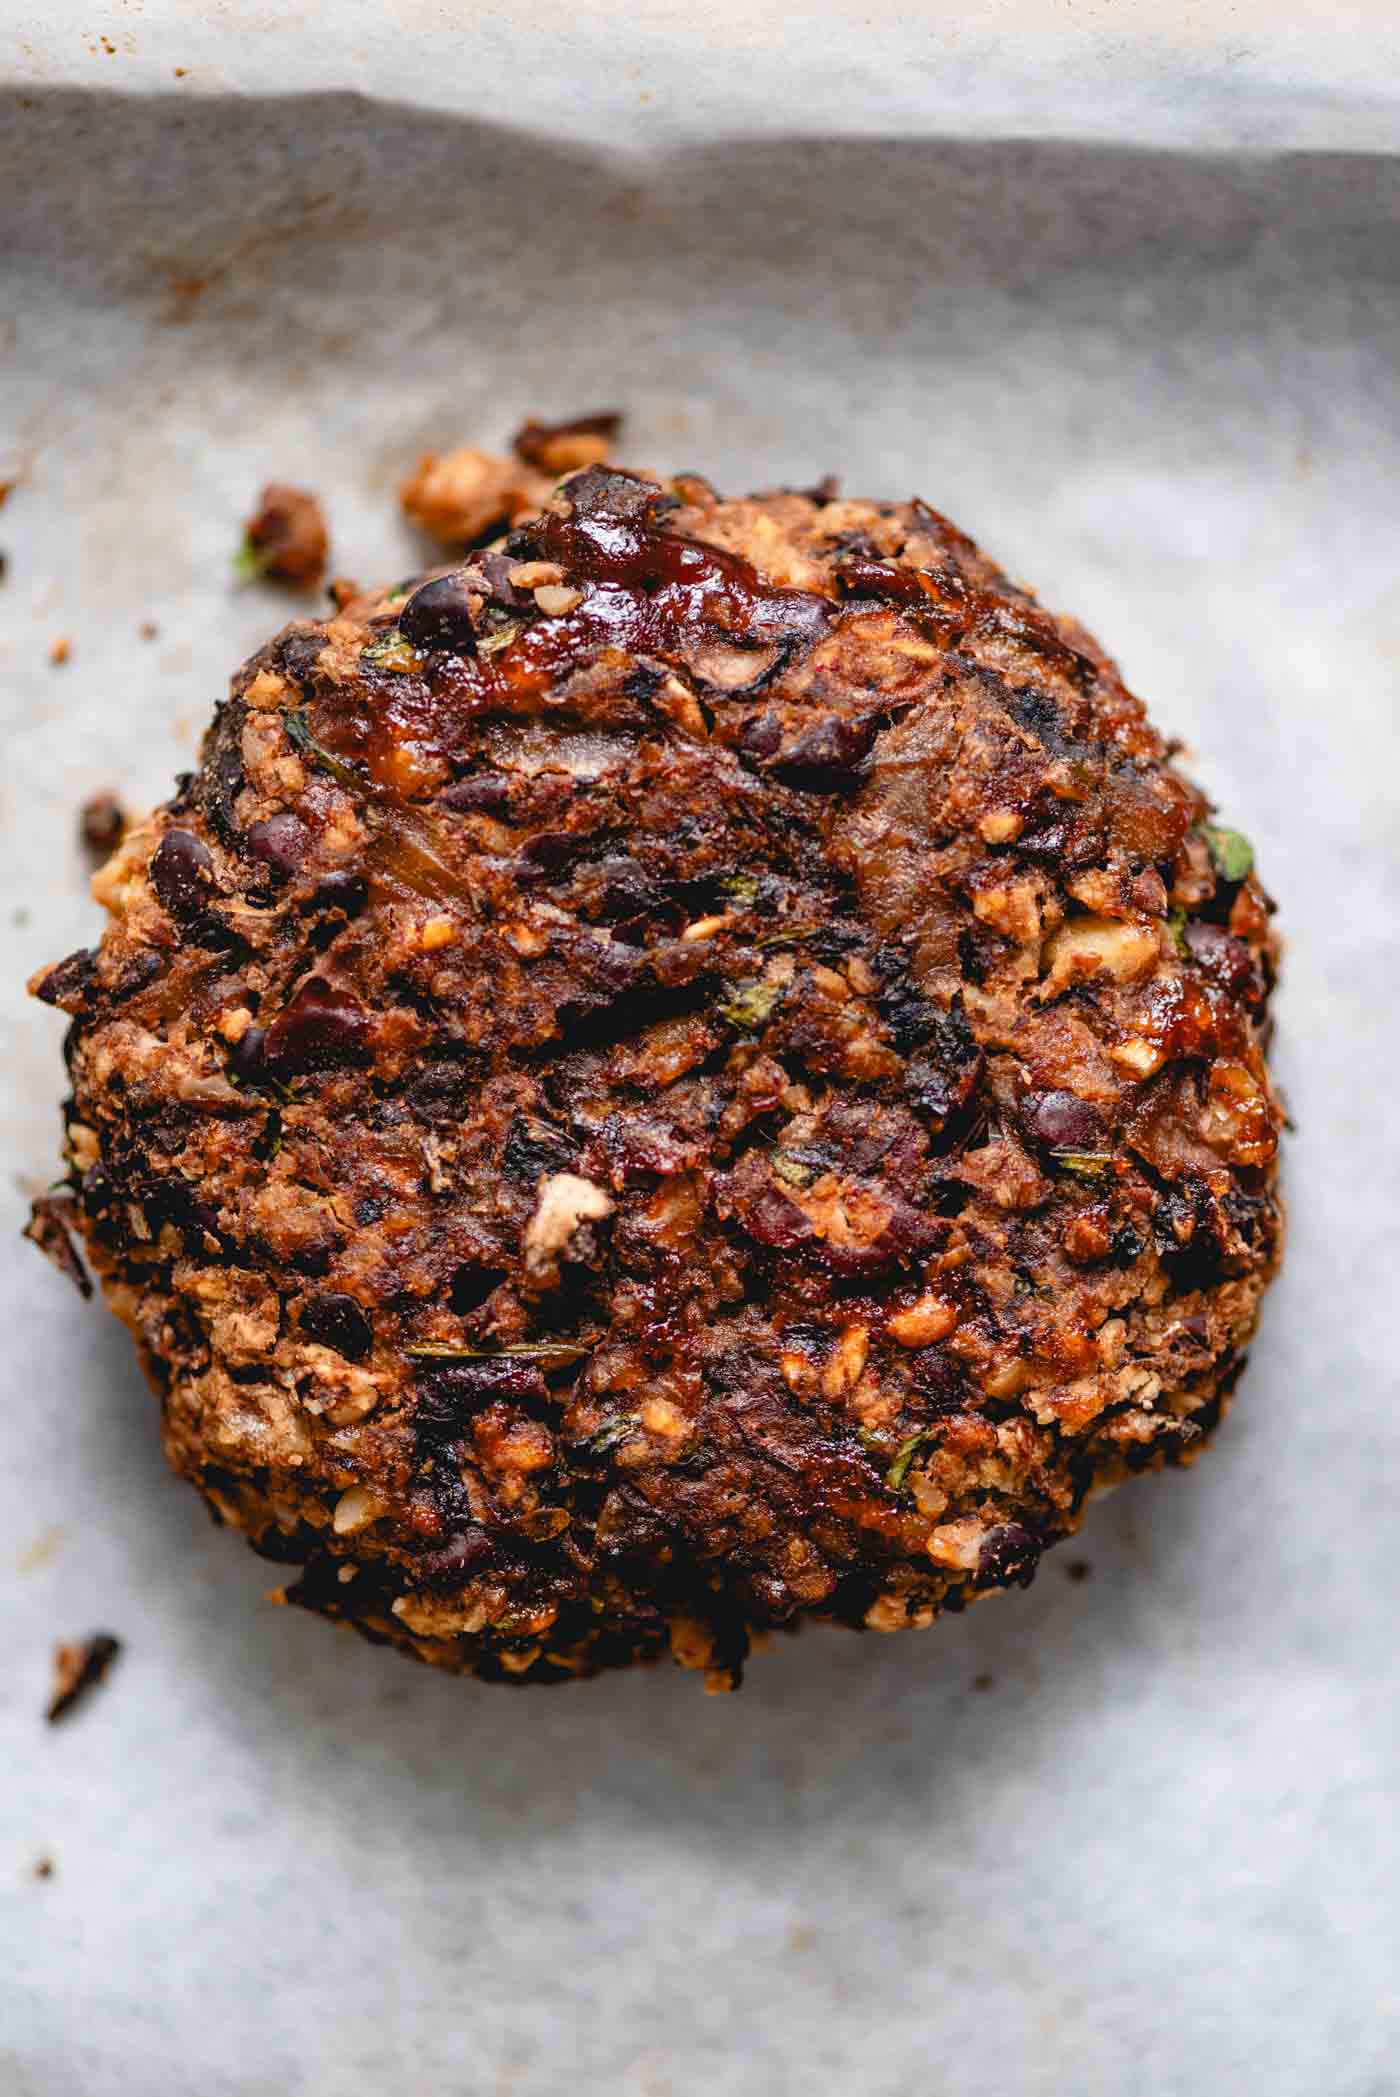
(565, 1201)
(462, 496)
(1084, 947)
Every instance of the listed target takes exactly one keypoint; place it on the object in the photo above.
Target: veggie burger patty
(697, 1068)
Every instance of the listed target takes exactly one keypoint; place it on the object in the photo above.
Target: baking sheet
(1156, 1850)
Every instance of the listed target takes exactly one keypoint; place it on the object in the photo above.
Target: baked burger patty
(698, 1068)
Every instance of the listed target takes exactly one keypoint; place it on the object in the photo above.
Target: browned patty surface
(698, 1069)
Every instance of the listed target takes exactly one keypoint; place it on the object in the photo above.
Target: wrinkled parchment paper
(1131, 1834)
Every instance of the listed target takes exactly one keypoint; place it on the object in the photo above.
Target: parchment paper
(1155, 1850)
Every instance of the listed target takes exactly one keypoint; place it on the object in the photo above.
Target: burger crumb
(53, 1222)
(60, 651)
(983, 1682)
(102, 824)
(78, 1669)
(286, 539)
(1078, 1570)
(562, 447)
(43, 1868)
(463, 496)
(148, 630)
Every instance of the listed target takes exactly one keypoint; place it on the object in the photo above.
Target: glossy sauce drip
(645, 592)
(651, 592)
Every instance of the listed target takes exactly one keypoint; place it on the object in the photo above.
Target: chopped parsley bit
(263, 1081)
(740, 888)
(390, 652)
(904, 1457)
(1231, 852)
(299, 735)
(550, 1354)
(250, 562)
(492, 643)
(792, 1170)
(789, 936)
(396, 596)
(613, 1432)
(1092, 1164)
(750, 1005)
(1176, 925)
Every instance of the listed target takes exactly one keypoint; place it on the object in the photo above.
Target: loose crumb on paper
(78, 1669)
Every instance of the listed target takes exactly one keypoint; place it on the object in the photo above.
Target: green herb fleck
(741, 888)
(611, 1433)
(1090, 1164)
(390, 652)
(250, 562)
(904, 1457)
(1231, 852)
(299, 735)
(492, 643)
(550, 1354)
(750, 1005)
(396, 596)
(1176, 925)
(792, 1170)
(787, 936)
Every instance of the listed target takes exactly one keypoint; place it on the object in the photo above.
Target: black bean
(173, 1200)
(182, 874)
(450, 1392)
(496, 569)
(280, 843)
(938, 1380)
(1063, 1121)
(459, 1556)
(762, 735)
(70, 983)
(438, 1092)
(139, 973)
(321, 1028)
(247, 1058)
(860, 576)
(827, 756)
(342, 890)
(440, 616)
(771, 1219)
(336, 1320)
(1222, 957)
(601, 494)
(486, 793)
(1009, 1553)
(298, 651)
(628, 891)
(545, 853)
